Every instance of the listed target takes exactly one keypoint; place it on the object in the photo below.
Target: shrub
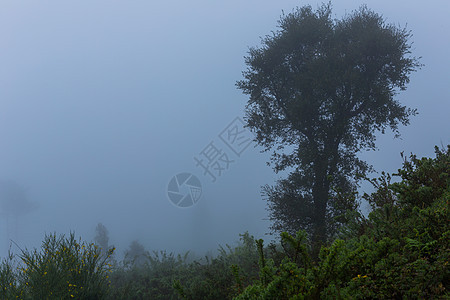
(63, 268)
(401, 250)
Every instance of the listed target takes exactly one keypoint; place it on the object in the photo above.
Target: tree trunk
(319, 223)
(320, 196)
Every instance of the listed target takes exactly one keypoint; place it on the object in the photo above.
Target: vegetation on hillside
(401, 250)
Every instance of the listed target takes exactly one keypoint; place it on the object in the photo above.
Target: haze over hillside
(102, 103)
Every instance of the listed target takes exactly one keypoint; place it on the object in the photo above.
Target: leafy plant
(401, 250)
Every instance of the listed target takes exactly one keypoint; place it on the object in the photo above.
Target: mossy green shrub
(63, 268)
(401, 251)
(153, 279)
(169, 276)
(10, 287)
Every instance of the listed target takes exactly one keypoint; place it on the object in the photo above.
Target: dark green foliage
(136, 255)
(226, 274)
(9, 284)
(150, 280)
(319, 90)
(166, 276)
(63, 268)
(400, 252)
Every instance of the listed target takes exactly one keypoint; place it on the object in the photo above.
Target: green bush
(166, 276)
(10, 287)
(63, 268)
(401, 250)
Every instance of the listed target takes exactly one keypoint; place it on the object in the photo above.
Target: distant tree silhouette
(102, 237)
(13, 204)
(136, 255)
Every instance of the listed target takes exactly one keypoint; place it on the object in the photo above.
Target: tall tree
(319, 91)
(102, 237)
(136, 255)
(14, 202)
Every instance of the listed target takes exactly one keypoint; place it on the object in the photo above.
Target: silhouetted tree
(136, 254)
(14, 203)
(102, 237)
(320, 89)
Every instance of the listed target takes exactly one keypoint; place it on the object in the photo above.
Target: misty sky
(102, 102)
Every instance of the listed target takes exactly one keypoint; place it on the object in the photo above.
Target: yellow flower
(359, 276)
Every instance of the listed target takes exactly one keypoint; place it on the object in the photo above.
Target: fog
(103, 102)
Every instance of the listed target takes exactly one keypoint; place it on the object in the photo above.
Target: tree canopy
(319, 91)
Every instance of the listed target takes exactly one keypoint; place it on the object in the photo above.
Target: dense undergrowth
(400, 251)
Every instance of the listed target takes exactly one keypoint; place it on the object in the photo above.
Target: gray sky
(102, 102)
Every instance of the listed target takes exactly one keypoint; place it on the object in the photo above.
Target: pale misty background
(102, 102)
